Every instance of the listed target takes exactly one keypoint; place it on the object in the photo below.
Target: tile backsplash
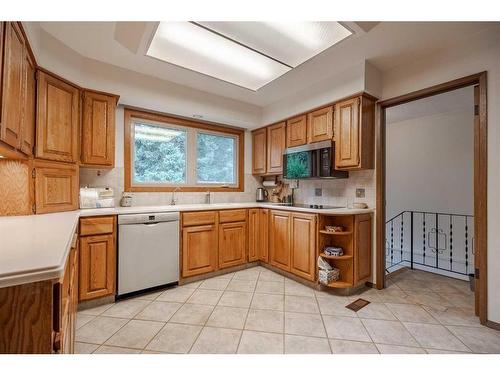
(114, 178)
(338, 192)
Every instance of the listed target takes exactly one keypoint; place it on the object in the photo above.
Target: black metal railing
(431, 240)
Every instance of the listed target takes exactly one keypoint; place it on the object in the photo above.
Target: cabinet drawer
(198, 218)
(97, 225)
(229, 216)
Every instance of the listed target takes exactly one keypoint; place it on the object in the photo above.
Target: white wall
(483, 54)
(429, 163)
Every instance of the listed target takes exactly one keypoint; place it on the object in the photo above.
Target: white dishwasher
(148, 251)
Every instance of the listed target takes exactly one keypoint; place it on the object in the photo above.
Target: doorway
(474, 224)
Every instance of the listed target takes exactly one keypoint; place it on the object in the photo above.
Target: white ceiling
(452, 101)
(386, 45)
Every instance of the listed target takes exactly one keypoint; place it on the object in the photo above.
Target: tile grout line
(323, 322)
(248, 312)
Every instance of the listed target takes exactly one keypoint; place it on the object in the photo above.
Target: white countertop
(35, 247)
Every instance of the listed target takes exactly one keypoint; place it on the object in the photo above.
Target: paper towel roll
(269, 183)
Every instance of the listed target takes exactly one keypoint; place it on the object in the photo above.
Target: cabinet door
(263, 235)
(232, 244)
(303, 245)
(276, 144)
(253, 234)
(362, 247)
(259, 151)
(296, 131)
(98, 129)
(57, 119)
(97, 266)
(279, 239)
(13, 85)
(28, 129)
(347, 134)
(320, 125)
(199, 250)
(56, 187)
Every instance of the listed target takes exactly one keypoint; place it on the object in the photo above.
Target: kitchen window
(164, 153)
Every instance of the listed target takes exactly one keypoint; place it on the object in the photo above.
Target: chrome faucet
(208, 197)
(173, 202)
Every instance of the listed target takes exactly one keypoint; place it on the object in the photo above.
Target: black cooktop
(315, 206)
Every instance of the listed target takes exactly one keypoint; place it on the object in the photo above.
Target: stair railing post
(411, 240)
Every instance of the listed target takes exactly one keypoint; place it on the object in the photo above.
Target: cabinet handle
(57, 342)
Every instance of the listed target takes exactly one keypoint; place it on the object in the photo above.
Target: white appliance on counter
(97, 197)
(148, 251)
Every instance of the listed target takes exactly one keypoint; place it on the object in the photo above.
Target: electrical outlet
(318, 192)
(360, 193)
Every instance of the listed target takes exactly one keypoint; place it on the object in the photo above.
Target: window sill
(183, 189)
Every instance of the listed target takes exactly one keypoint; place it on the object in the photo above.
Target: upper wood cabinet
(56, 186)
(296, 131)
(303, 245)
(259, 151)
(13, 76)
(320, 125)
(354, 134)
(57, 119)
(276, 144)
(199, 249)
(232, 244)
(279, 239)
(98, 129)
(29, 115)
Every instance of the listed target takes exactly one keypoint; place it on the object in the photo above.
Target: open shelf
(342, 257)
(339, 284)
(335, 233)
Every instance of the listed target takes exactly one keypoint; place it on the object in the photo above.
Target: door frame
(480, 178)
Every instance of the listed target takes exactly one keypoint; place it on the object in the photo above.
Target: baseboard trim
(493, 325)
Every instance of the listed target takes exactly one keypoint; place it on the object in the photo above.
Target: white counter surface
(35, 247)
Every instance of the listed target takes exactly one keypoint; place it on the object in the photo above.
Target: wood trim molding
(480, 178)
(177, 120)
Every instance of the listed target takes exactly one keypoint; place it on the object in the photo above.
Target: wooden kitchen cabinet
(276, 144)
(98, 129)
(232, 244)
(263, 240)
(12, 91)
(279, 239)
(362, 248)
(199, 249)
(97, 274)
(296, 131)
(253, 234)
(259, 151)
(29, 114)
(40, 317)
(56, 186)
(303, 245)
(57, 119)
(320, 125)
(354, 133)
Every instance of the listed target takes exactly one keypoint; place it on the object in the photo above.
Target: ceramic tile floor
(259, 311)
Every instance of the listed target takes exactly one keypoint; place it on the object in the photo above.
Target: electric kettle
(261, 195)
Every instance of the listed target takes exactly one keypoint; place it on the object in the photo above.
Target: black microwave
(316, 160)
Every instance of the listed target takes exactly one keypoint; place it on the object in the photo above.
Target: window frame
(172, 121)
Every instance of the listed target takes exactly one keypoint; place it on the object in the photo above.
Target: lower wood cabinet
(40, 317)
(56, 186)
(258, 235)
(263, 241)
(279, 239)
(199, 249)
(362, 247)
(303, 245)
(232, 244)
(97, 258)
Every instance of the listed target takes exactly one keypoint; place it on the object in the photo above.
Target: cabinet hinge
(476, 273)
(476, 110)
(33, 173)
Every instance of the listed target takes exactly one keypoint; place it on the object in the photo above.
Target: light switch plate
(318, 192)
(360, 193)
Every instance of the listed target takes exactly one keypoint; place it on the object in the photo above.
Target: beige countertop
(35, 247)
